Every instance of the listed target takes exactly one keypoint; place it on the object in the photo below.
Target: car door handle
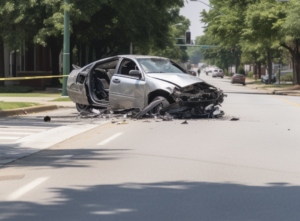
(117, 81)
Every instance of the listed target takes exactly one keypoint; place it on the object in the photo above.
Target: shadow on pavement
(62, 158)
(163, 201)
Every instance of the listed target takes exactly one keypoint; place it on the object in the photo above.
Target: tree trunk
(296, 77)
(55, 51)
(259, 70)
(91, 50)
(2, 70)
(83, 55)
(14, 66)
(72, 45)
(269, 65)
(237, 62)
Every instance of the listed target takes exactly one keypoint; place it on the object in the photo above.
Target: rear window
(220, 70)
(216, 70)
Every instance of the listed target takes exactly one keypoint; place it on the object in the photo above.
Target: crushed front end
(199, 100)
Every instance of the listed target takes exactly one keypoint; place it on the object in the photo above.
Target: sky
(192, 10)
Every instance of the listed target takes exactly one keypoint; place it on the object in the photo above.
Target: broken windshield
(159, 65)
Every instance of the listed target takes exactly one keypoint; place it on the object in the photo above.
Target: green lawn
(14, 105)
(30, 94)
(62, 99)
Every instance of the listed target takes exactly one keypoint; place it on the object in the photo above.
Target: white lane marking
(27, 188)
(64, 158)
(109, 139)
(9, 138)
(22, 133)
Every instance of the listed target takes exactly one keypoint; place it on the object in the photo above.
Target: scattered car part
(234, 119)
(47, 119)
(185, 122)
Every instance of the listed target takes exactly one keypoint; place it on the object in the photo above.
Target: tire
(164, 104)
(221, 77)
(244, 84)
(82, 107)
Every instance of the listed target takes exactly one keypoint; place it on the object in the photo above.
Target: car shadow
(162, 201)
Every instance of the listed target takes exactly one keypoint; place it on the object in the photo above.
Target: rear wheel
(164, 104)
(81, 107)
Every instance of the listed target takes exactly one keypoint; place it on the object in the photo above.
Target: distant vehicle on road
(265, 79)
(218, 73)
(238, 79)
(192, 73)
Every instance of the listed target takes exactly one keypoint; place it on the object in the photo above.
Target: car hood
(181, 80)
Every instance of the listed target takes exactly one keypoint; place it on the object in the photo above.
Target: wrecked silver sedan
(153, 85)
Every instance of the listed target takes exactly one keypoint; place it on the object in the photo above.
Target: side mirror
(135, 73)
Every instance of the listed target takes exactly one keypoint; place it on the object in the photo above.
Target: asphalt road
(213, 169)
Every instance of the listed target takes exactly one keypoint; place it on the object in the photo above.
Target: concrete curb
(29, 110)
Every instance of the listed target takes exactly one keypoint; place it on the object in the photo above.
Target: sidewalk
(40, 100)
(280, 91)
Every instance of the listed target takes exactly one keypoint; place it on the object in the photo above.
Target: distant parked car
(265, 79)
(192, 73)
(218, 73)
(238, 79)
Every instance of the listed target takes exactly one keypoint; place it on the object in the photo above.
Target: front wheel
(81, 107)
(164, 104)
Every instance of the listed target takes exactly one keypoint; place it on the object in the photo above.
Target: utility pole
(66, 51)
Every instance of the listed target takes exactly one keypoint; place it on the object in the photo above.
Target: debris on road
(234, 119)
(185, 122)
(47, 119)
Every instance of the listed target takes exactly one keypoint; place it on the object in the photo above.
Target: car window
(159, 65)
(220, 70)
(216, 70)
(126, 66)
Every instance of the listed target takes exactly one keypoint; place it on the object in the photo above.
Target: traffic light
(188, 37)
(232, 50)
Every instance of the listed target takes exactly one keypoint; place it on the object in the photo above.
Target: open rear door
(76, 86)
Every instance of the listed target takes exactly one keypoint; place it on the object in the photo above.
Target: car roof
(140, 56)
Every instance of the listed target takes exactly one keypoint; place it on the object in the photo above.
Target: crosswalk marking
(13, 133)
(10, 134)
(23, 129)
(9, 138)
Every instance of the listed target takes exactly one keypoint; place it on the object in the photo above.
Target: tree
(291, 39)
(260, 29)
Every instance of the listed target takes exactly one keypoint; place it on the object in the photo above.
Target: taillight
(243, 77)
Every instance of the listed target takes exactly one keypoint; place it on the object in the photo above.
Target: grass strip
(61, 99)
(14, 105)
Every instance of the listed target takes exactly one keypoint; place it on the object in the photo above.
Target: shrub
(15, 89)
(250, 74)
(289, 77)
(241, 70)
(226, 72)
(282, 78)
(231, 74)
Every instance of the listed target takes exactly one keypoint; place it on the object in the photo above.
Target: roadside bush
(250, 74)
(15, 89)
(282, 78)
(289, 77)
(241, 70)
(231, 74)
(226, 72)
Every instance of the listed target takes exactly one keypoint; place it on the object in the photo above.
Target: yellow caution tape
(28, 78)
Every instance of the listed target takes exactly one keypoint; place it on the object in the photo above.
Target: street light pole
(66, 51)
